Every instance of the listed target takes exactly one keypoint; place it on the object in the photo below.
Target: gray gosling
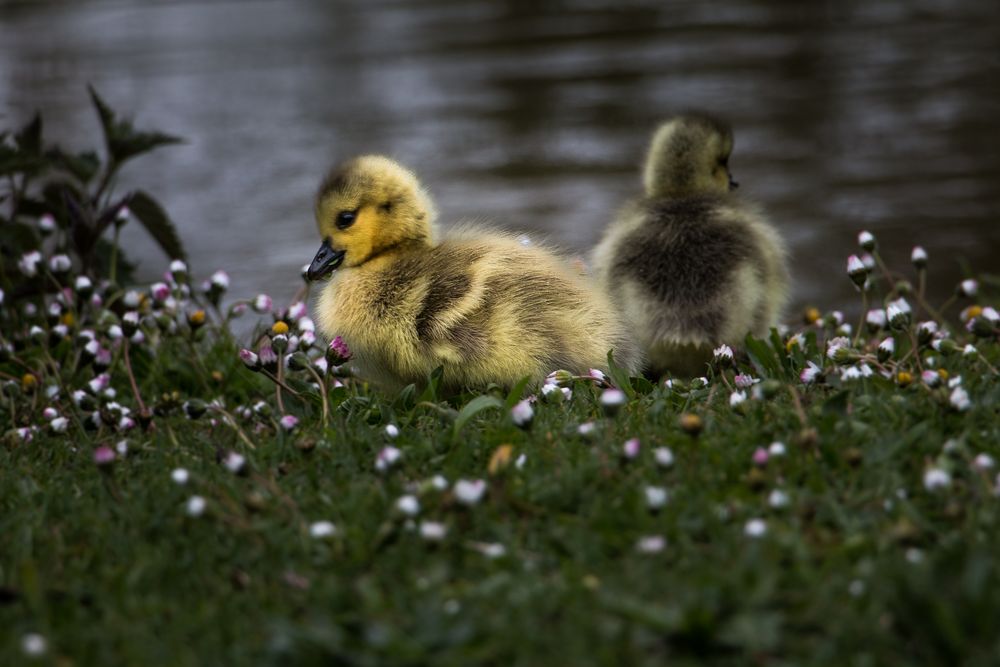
(691, 265)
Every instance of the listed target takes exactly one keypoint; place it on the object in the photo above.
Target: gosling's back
(690, 264)
(482, 305)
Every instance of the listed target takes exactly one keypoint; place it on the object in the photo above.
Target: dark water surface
(533, 116)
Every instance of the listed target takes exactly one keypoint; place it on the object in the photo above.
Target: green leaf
(149, 213)
(515, 394)
(762, 357)
(83, 166)
(619, 376)
(29, 139)
(430, 392)
(121, 139)
(472, 408)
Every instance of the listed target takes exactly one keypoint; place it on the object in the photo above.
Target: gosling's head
(366, 207)
(689, 155)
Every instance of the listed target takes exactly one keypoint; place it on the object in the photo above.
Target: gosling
(690, 264)
(480, 304)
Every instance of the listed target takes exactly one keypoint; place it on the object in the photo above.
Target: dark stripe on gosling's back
(450, 281)
(683, 253)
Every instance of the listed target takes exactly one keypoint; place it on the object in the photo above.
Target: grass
(870, 540)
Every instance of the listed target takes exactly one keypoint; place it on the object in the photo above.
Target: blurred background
(533, 115)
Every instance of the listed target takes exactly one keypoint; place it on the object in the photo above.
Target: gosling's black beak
(732, 184)
(325, 261)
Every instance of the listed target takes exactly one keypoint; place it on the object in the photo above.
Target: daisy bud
(553, 393)
(723, 355)
(651, 544)
(387, 457)
(983, 462)
(597, 376)
(337, 352)
(760, 457)
(811, 373)
(34, 645)
(36, 333)
(469, 492)
(250, 359)
(297, 361)
(104, 456)
(130, 323)
(28, 264)
(936, 478)
(47, 224)
(755, 528)
(289, 422)
(898, 313)
(307, 339)
(262, 303)
(630, 449)
(268, 357)
(195, 506)
(663, 457)
(857, 271)
(279, 342)
(83, 286)
(433, 531)
(60, 264)
(59, 425)
(886, 349)
(587, 430)
(930, 378)
(945, 346)
(99, 383)
(522, 414)
(919, 257)
(968, 288)
(159, 291)
(305, 325)
(875, 319)
(321, 365)
(195, 408)
(102, 360)
(180, 476)
(926, 331)
(219, 281)
(561, 378)
(297, 311)
(777, 499)
(612, 401)
(656, 497)
(959, 399)
(391, 431)
(408, 505)
(970, 351)
(235, 463)
(736, 398)
(179, 270)
(122, 215)
(866, 240)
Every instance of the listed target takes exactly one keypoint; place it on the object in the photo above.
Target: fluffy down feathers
(479, 303)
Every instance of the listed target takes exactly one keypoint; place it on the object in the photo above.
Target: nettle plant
(61, 203)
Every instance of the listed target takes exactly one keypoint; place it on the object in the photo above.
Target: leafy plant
(77, 191)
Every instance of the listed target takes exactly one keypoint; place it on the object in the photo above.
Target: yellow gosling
(479, 303)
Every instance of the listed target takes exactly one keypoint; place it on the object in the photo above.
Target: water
(533, 116)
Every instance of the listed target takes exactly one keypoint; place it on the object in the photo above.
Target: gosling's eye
(345, 219)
